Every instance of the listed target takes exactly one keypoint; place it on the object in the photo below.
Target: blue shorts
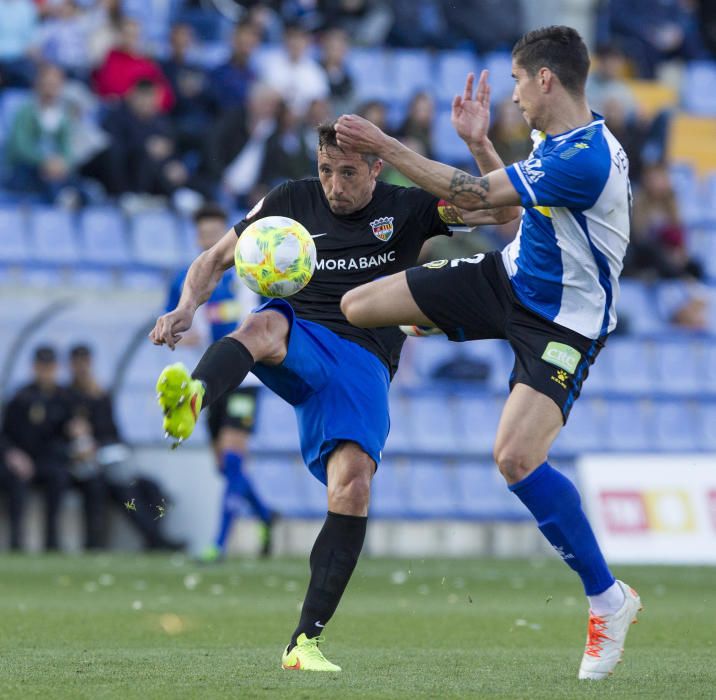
(338, 389)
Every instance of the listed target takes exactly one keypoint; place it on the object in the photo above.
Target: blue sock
(555, 503)
(241, 486)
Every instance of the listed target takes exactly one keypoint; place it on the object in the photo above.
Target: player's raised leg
(529, 424)
(334, 555)
(262, 337)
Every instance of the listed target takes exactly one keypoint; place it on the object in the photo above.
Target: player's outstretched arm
(201, 279)
(462, 189)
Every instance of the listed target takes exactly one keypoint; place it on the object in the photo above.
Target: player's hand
(471, 115)
(169, 328)
(359, 135)
(19, 463)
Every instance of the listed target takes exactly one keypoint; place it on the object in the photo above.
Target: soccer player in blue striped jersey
(551, 292)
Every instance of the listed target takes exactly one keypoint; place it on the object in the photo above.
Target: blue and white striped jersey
(565, 261)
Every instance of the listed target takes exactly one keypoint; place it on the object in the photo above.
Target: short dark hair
(327, 139)
(209, 210)
(558, 48)
(80, 350)
(45, 355)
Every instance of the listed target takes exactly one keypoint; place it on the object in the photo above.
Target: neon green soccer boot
(179, 396)
(306, 656)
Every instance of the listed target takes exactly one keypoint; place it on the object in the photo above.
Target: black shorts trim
(472, 299)
(234, 409)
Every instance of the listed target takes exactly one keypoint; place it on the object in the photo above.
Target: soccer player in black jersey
(335, 375)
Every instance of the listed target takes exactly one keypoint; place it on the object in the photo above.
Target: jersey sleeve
(433, 214)
(275, 203)
(572, 176)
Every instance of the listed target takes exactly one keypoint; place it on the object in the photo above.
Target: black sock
(333, 559)
(223, 367)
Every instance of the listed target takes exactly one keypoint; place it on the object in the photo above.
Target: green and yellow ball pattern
(275, 256)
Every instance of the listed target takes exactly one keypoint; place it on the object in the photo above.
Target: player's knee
(350, 493)
(513, 463)
(264, 335)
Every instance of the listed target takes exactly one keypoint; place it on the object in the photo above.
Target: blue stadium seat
(400, 438)
(14, 245)
(103, 236)
(11, 99)
(452, 69)
(53, 236)
(636, 308)
(630, 364)
(706, 426)
(698, 95)
(675, 426)
(709, 367)
(138, 416)
(155, 239)
(476, 420)
(281, 482)
(276, 427)
(448, 146)
(149, 360)
(498, 355)
(411, 71)
(144, 280)
(686, 184)
(628, 425)
(42, 276)
(432, 489)
(388, 493)
(369, 69)
(93, 278)
(483, 494)
(499, 64)
(680, 366)
(585, 428)
(434, 429)
(425, 355)
(188, 248)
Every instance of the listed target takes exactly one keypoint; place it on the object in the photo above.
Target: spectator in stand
(126, 64)
(509, 133)
(16, 469)
(607, 80)
(63, 38)
(237, 145)
(142, 154)
(287, 155)
(110, 457)
(418, 123)
(652, 31)
(420, 25)
(707, 23)
(36, 421)
(194, 107)
(294, 74)
(367, 22)
(658, 238)
(683, 303)
(232, 81)
(335, 44)
(107, 17)
(374, 111)
(18, 23)
(39, 146)
(499, 26)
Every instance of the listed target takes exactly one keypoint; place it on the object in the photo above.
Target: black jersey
(382, 238)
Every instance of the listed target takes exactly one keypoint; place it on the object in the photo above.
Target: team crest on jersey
(383, 228)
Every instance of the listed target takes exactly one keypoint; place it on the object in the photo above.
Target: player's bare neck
(569, 114)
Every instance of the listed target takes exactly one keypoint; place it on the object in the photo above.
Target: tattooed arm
(465, 191)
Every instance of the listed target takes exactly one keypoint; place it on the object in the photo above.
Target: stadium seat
(483, 493)
(630, 364)
(448, 146)
(14, 245)
(628, 425)
(687, 187)
(692, 140)
(585, 428)
(276, 427)
(281, 483)
(432, 490)
(698, 94)
(499, 64)
(11, 99)
(653, 96)
(103, 236)
(52, 232)
(425, 355)
(188, 248)
(675, 426)
(138, 417)
(400, 438)
(434, 429)
(636, 310)
(412, 72)
(142, 279)
(369, 69)
(154, 238)
(706, 426)
(679, 366)
(452, 69)
(476, 421)
(389, 489)
(93, 278)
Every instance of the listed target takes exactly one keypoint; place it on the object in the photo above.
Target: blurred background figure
(104, 453)
(36, 421)
(231, 82)
(335, 45)
(16, 470)
(17, 33)
(231, 418)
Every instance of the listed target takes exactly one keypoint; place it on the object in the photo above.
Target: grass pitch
(156, 627)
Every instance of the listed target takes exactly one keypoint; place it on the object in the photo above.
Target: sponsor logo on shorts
(436, 264)
(383, 228)
(561, 355)
(561, 378)
(472, 260)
